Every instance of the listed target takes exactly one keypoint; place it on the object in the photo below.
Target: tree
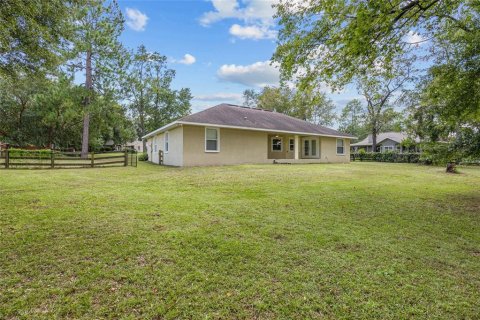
(446, 103)
(352, 119)
(335, 41)
(33, 35)
(17, 107)
(306, 105)
(48, 111)
(250, 98)
(148, 89)
(97, 51)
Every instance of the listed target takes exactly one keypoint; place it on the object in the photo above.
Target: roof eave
(262, 130)
(160, 130)
(179, 122)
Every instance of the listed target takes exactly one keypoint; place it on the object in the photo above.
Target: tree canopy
(310, 105)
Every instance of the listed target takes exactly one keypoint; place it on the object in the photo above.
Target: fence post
(92, 156)
(126, 158)
(7, 158)
(52, 159)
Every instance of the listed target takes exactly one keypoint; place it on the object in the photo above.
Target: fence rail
(10, 159)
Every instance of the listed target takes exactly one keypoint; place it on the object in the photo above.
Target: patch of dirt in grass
(159, 227)
(348, 247)
(468, 202)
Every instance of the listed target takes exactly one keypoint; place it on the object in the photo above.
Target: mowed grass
(359, 240)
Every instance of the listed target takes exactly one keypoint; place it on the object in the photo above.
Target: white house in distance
(228, 134)
(386, 141)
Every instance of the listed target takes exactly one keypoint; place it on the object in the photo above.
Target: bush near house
(388, 156)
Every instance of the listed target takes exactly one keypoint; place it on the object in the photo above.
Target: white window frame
(281, 144)
(218, 139)
(290, 145)
(388, 148)
(166, 142)
(317, 147)
(343, 146)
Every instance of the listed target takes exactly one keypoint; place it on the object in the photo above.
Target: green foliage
(34, 154)
(352, 119)
(336, 41)
(389, 156)
(42, 112)
(307, 105)
(143, 156)
(147, 85)
(439, 153)
(33, 35)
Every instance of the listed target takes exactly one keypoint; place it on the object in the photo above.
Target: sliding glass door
(310, 148)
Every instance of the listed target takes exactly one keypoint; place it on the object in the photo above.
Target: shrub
(143, 156)
(34, 154)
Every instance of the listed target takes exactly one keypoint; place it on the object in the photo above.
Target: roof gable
(397, 137)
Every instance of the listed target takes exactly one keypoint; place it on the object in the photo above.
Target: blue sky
(218, 48)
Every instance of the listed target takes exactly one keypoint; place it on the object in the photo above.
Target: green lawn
(361, 240)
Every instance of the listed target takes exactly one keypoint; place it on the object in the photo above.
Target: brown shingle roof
(237, 116)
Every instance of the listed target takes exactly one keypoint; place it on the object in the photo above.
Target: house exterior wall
(388, 143)
(187, 148)
(174, 156)
(285, 153)
(328, 150)
(236, 147)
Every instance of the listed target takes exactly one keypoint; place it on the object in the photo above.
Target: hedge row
(386, 157)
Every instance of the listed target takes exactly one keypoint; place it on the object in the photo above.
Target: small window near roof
(212, 140)
(166, 141)
(277, 144)
(340, 146)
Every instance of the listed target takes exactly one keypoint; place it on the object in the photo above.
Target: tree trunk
(374, 140)
(86, 116)
(451, 167)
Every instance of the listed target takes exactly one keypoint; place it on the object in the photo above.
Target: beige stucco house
(229, 134)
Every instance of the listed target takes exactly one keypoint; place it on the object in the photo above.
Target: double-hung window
(212, 140)
(166, 142)
(291, 143)
(340, 146)
(277, 144)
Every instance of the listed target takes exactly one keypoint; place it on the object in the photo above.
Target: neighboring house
(386, 141)
(230, 134)
(136, 145)
(110, 145)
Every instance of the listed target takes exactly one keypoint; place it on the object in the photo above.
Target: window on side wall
(166, 141)
(155, 148)
(212, 140)
(277, 144)
(340, 146)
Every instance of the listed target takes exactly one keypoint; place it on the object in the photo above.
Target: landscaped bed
(359, 240)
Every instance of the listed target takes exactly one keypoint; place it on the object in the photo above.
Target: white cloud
(230, 9)
(258, 74)
(220, 96)
(252, 32)
(136, 19)
(413, 38)
(187, 59)
(257, 16)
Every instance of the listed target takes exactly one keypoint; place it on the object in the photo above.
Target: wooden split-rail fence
(46, 159)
